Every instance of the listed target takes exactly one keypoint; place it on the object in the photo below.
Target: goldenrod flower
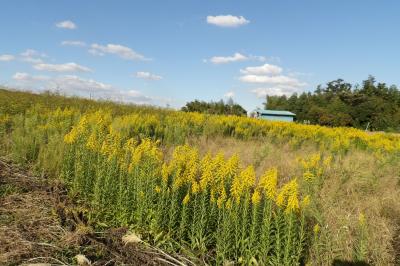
(327, 161)
(186, 199)
(308, 176)
(207, 167)
(316, 229)
(195, 187)
(306, 201)
(293, 203)
(228, 204)
(92, 142)
(242, 183)
(288, 196)
(256, 198)
(164, 173)
(292, 200)
(221, 198)
(232, 166)
(269, 181)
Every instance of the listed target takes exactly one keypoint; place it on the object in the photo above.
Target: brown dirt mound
(37, 226)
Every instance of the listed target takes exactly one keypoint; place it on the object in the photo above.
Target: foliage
(131, 166)
(218, 108)
(372, 105)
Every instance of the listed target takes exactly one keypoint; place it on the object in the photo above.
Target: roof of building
(275, 112)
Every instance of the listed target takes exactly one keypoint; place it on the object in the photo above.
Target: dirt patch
(38, 226)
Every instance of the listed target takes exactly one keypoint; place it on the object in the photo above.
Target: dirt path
(38, 225)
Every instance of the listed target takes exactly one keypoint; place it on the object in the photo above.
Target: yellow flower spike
(306, 201)
(207, 168)
(212, 195)
(205, 178)
(315, 159)
(228, 204)
(92, 143)
(256, 198)
(327, 161)
(282, 195)
(219, 159)
(269, 182)
(186, 199)
(195, 187)
(232, 165)
(242, 182)
(292, 197)
(157, 189)
(308, 176)
(316, 229)
(221, 199)
(76, 131)
(248, 176)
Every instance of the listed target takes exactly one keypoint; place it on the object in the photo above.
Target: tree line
(220, 107)
(371, 105)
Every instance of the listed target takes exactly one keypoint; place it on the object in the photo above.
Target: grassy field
(217, 190)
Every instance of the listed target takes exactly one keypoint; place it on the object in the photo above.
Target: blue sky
(171, 52)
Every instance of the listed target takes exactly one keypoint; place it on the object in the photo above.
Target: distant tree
(342, 104)
(229, 108)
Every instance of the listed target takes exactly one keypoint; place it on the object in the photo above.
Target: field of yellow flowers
(151, 170)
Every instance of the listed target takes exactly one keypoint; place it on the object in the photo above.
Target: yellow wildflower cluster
(313, 167)
(289, 195)
(242, 183)
(268, 182)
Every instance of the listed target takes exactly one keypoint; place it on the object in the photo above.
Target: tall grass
(116, 162)
(208, 204)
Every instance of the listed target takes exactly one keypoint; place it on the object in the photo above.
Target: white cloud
(228, 59)
(116, 49)
(67, 67)
(258, 58)
(74, 85)
(20, 76)
(229, 94)
(265, 69)
(147, 75)
(73, 43)
(32, 56)
(300, 74)
(274, 80)
(95, 52)
(227, 21)
(32, 52)
(236, 57)
(279, 91)
(6, 57)
(66, 24)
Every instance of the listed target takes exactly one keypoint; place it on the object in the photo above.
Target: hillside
(209, 189)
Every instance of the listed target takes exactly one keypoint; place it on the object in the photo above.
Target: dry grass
(358, 182)
(37, 229)
(262, 154)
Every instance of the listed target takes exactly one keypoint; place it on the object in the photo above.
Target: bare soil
(38, 225)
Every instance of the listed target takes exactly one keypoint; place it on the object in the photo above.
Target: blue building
(275, 115)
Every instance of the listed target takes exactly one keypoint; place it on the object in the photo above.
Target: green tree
(339, 103)
(221, 108)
